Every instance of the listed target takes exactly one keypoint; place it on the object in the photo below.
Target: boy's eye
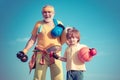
(68, 37)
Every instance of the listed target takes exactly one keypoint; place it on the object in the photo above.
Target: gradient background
(97, 20)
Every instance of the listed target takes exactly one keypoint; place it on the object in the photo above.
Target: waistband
(75, 71)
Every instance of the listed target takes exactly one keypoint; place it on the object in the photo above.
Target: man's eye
(69, 38)
(47, 12)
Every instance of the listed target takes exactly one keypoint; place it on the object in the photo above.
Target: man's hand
(21, 55)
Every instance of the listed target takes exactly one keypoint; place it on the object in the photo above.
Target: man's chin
(47, 20)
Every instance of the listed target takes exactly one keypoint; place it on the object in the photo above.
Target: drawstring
(42, 61)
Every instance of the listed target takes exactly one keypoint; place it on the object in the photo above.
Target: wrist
(25, 51)
(22, 56)
(59, 58)
(93, 51)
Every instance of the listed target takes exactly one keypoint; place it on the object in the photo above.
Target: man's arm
(22, 55)
(29, 44)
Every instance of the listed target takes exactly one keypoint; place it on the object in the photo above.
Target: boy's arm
(62, 59)
(59, 58)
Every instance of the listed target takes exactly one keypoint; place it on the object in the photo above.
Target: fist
(55, 56)
(20, 55)
(84, 55)
(93, 52)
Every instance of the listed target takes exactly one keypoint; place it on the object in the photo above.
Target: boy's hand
(55, 56)
(93, 51)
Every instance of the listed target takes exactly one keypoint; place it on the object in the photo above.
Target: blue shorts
(74, 75)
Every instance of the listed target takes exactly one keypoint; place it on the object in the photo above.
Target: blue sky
(97, 20)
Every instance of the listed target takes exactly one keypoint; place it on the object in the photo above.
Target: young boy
(74, 66)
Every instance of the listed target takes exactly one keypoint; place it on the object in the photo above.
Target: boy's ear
(79, 40)
(67, 42)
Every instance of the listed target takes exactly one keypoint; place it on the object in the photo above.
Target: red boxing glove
(93, 51)
(86, 54)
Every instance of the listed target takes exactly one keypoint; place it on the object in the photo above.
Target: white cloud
(19, 40)
(22, 39)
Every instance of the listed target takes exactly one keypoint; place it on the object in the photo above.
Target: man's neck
(51, 23)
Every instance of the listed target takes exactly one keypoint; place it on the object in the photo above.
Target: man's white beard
(48, 20)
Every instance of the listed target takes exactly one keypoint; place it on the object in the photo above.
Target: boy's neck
(73, 45)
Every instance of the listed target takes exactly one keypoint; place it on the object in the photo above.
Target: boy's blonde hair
(73, 33)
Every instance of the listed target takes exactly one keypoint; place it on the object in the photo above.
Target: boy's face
(72, 41)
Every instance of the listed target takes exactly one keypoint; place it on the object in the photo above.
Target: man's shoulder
(59, 22)
(38, 23)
